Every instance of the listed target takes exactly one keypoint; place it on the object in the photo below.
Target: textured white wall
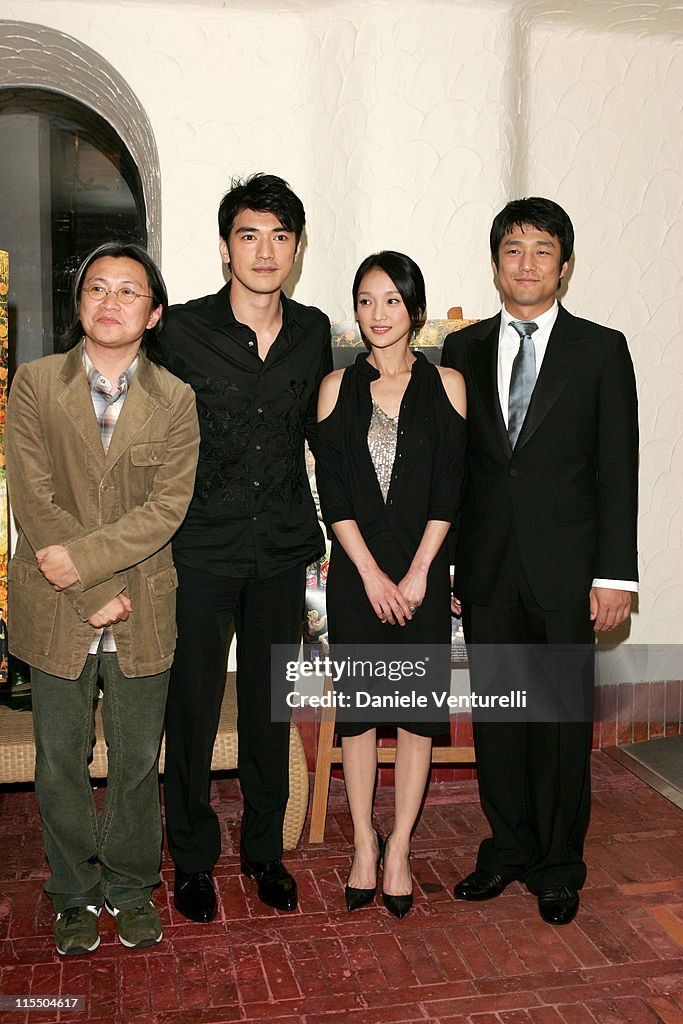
(391, 121)
(602, 132)
(407, 125)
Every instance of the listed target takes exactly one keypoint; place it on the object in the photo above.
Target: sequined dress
(382, 437)
(391, 476)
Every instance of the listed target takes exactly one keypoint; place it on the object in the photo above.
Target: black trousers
(534, 777)
(265, 612)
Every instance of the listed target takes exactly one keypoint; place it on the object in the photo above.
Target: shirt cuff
(617, 585)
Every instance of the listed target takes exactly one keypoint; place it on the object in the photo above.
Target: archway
(37, 56)
(80, 166)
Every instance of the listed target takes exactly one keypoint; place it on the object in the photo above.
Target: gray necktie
(522, 379)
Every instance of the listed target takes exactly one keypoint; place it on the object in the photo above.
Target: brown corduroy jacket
(115, 512)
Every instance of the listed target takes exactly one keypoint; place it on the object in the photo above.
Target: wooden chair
(329, 755)
(18, 755)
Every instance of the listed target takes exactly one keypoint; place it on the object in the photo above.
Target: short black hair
(155, 282)
(407, 279)
(543, 214)
(266, 193)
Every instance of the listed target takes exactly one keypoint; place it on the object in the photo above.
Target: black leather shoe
(276, 887)
(557, 904)
(194, 895)
(479, 885)
(357, 898)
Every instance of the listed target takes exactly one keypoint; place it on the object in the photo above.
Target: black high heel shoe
(357, 898)
(396, 905)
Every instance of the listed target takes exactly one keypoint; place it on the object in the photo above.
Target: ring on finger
(412, 608)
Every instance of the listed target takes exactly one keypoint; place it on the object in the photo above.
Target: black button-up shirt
(252, 513)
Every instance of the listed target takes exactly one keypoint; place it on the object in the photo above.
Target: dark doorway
(67, 183)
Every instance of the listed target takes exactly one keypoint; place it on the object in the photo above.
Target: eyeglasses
(98, 293)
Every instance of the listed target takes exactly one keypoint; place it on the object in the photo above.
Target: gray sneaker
(137, 926)
(76, 931)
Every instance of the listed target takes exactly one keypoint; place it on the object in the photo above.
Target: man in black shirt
(254, 359)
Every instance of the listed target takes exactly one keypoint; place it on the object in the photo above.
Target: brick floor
(446, 963)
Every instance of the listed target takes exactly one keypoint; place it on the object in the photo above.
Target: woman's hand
(389, 603)
(413, 586)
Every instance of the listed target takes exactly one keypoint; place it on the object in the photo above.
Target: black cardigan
(427, 477)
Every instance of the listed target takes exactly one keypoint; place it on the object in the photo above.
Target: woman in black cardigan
(389, 469)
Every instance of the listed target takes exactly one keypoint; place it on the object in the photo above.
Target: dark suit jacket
(567, 495)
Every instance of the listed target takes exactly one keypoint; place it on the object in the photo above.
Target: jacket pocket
(581, 507)
(31, 608)
(148, 453)
(162, 586)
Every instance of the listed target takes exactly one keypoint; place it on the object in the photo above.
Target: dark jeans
(265, 612)
(126, 840)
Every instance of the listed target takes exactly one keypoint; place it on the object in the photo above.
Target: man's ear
(154, 317)
(298, 250)
(225, 252)
(563, 270)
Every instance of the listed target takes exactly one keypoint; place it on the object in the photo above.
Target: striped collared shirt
(107, 402)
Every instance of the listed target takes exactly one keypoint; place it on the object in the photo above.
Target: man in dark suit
(546, 551)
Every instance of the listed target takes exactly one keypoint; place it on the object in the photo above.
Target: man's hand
(609, 608)
(56, 566)
(116, 610)
(456, 603)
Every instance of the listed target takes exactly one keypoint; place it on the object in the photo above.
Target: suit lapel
(484, 367)
(564, 352)
(76, 401)
(138, 409)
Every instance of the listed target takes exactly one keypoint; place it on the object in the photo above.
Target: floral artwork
(345, 334)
